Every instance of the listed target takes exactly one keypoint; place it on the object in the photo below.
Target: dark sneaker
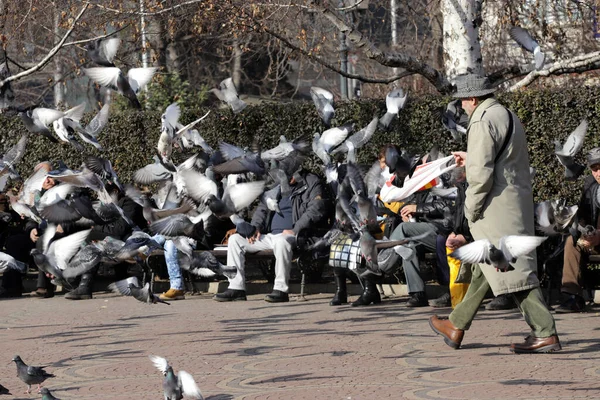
(502, 302)
(442, 301)
(417, 299)
(42, 294)
(277, 297)
(574, 304)
(231, 295)
(79, 294)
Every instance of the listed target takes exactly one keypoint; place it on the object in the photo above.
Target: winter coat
(499, 198)
(310, 207)
(587, 213)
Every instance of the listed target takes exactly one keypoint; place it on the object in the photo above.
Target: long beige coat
(499, 199)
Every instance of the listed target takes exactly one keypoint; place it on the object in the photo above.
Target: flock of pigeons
(218, 184)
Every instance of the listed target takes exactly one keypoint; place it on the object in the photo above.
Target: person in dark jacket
(576, 249)
(304, 209)
(424, 214)
(118, 229)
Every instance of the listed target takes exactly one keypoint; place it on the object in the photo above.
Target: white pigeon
(175, 386)
(510, 248)
(394, 102)
(228, 94)
(323, 100)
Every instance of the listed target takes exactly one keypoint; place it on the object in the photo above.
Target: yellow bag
(457, 290)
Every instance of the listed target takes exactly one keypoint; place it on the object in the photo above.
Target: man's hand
(460, 157)
(590, 241)
(254, 237)
(33, 235)
(407, 211)
(288, 232)
(59, 229)
(455, 241)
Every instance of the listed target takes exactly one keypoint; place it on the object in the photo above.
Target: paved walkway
(98, 349)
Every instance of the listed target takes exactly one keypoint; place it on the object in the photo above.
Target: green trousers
(530, 303)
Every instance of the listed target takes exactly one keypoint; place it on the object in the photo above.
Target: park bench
(155, 263)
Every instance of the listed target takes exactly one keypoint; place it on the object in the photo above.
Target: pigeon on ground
(176, 386)
(323, 100)
(47, 395)
(566, 152)
(128, 86)
(228, 94)
(31, 375)
(131, 287)
(510, 248)
(103, 51)
(526, 41)
(38, 120)
(394, 101)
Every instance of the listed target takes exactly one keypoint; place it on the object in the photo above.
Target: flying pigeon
(526, 41)
(455, 120)
(227, 93)
(356, 141)
(566, 152)
(31, 375)
(176, 386)
(323, 100)
(13, 156)
(131, 287)
(38, 120)
(178, 225)
(394, 101)
(510, 248)
(128, 86)
(103, 51)
(205, 264)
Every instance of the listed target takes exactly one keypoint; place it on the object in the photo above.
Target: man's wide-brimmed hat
(593, 156)
(472, 85)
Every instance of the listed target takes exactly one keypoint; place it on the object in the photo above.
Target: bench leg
(302, 284)
(381, 291)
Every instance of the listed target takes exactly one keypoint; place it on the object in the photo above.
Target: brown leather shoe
(452, 335)
(534, 344)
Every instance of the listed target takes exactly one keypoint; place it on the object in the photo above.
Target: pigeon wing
(188, 385)
(98, 122)
(64, 249)
(523, 38)
(76, 113)
(574, 142)
(46, 115)
(395, 100)
(104, 76)
(110, 47)
(160, 363)
(473, 253)
(514, 246)
(122, 287)
(198, 186)
(139, 77)
(243, 194)
(230, 151)
(171, 116)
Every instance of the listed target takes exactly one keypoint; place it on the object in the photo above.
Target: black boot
(83, 291)
(417, 299)
(341, 296)
(369, 295)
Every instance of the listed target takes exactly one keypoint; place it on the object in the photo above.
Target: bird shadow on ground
(220, 396)
(288, 378)
(535, 382)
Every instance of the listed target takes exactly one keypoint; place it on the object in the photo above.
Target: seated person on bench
(576, 250)
(303, 209)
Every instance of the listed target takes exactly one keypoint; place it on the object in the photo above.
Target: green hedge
(130, 137)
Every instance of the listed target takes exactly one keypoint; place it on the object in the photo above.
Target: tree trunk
(462, 50)
(59, 94)
(236, 73)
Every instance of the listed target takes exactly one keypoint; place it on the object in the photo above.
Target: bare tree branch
(95, 38)
(147, 14)
(333, 67)
(394, 60)
(49, 56)
(581, 63)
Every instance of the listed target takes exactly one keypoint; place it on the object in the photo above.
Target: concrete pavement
(98, 349)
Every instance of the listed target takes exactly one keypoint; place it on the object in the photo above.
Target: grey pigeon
(66, 127)
(103, 168)
(154, 214)
(323, 100)
(356, 141)
(7, 96)
(176, 386)
(526, 41)
(285, 149)
(31, 375)
(205, 264)
(131, 287)
(151, 173)
(13, 156)
(4, 390)
(84, 261)
(96, 125)
(103, 51)
(235, 198)
(510, 248)
(178, 225)
(566, 152)
(47, 395)
(128, 86)
(38, 120)
(8, 262)
(228, 94)
(394, 101)
(137, 243)
(553, 217)
(369, 251)
(455, 120)
(247, 161)
(333, 137)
